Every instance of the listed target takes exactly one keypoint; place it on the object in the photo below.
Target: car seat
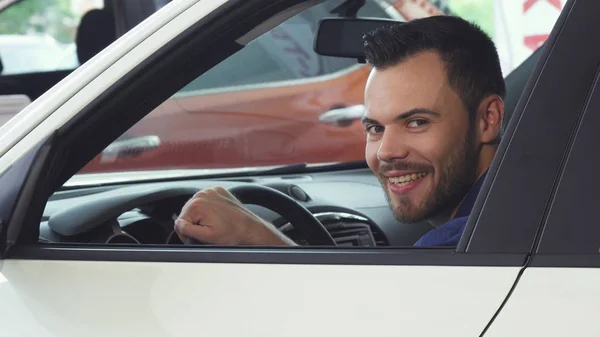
(8, 87)
(96, 31)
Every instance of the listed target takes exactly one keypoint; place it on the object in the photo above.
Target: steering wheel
(300, 217)
(108, 206)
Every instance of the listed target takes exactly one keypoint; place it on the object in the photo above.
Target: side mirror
(343, 37)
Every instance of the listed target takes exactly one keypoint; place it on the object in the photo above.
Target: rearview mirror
(343, 37)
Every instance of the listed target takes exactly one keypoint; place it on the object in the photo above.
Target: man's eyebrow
(416, 111)
(366, 120)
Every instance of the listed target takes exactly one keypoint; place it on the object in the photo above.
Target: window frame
(66, 156)
(568, 237)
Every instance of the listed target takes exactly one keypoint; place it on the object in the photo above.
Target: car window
(39, 35)
(194, 133)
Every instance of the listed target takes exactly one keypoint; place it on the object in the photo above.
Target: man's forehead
(418, 82)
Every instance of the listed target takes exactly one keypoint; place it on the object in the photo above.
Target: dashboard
(350, 204)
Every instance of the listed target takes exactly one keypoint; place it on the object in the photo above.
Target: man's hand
(215, 216)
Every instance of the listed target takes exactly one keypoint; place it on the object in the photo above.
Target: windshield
(38, 36)
(23, 54)
(276, 102)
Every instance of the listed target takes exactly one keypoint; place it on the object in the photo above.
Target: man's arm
(215, 216)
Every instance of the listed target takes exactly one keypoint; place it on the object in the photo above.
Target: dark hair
(471, 60)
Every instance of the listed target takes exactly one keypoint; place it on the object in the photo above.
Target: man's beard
(457, 176)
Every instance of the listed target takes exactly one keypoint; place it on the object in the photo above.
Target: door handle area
(129, 148)
(342, 116)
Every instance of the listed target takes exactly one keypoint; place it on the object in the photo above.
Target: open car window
(266, 107)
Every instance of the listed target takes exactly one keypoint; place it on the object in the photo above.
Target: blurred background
(291, 106)
(39, 35)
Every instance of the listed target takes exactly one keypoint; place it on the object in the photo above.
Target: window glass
(39, 35)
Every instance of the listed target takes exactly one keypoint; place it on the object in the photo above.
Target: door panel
(558, 293)
(552, 302)
(71, 298)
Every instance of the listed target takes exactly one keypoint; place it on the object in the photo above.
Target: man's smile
(402, 183)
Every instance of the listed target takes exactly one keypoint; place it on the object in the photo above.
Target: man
(434, 108)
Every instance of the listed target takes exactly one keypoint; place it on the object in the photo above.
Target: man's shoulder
(447, 234)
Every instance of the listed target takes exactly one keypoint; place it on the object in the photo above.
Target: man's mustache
(404, 166)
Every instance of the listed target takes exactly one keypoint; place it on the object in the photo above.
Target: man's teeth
(405, 179)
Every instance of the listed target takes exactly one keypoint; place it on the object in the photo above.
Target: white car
(95, 255)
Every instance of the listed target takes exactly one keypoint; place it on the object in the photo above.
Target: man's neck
(486, 155)
(441, 218)
(485, 159)
(455, 210)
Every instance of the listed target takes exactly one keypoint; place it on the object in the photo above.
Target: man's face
(420, 142)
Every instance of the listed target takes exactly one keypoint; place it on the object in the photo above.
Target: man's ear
(489, 118)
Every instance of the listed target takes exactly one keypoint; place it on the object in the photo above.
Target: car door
(98, 289)
(558, 293)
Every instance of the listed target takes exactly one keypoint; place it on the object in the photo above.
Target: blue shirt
(450, 232)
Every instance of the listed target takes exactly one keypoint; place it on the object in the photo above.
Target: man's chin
(409, 214)
(405, 208)
(408, 218)
(405, 214)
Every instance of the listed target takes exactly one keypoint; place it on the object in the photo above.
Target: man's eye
(416, 123)
(373, 129)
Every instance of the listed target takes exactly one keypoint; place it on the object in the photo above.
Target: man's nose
(392, 147)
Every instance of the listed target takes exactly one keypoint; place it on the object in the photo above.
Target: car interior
(338, 205)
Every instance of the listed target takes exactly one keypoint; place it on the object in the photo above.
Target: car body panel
(175, 299)
(552, 302)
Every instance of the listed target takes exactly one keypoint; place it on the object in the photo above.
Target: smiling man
(434, 112)
(434, 108)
